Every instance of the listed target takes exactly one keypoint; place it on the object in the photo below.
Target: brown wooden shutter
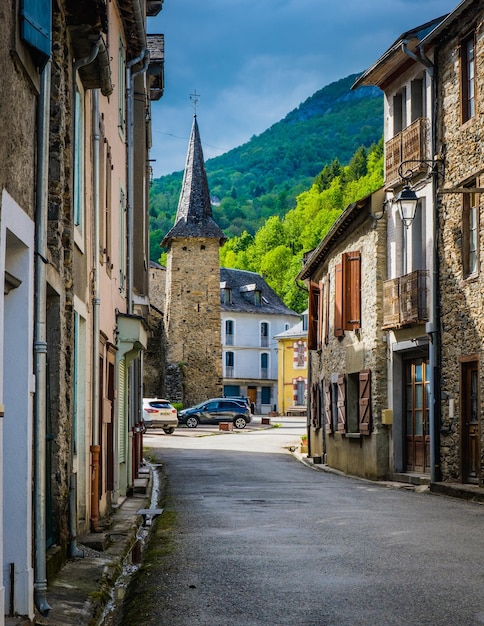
(313, 313)
(341, 403)
(315, 409)
(351, 263)
(364, 402)
(325, 320)
(320, 314)
(327, 405)
(338, 301)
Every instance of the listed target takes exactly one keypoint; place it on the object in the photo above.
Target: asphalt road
(261, 539)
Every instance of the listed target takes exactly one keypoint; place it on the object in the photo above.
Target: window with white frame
(264, 334)
(229, 364)
(229, 332)
(299, 354)
(78, 179)
(470, 234)
(264, 365)
(468, 68)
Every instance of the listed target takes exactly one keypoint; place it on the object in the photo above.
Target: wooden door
(470, 422)
(417, 404)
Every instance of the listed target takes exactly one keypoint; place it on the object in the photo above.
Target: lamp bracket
(411, 167)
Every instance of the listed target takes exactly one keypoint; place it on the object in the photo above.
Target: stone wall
(17, 132)
(361, 349)
(60, 248)
(462, 322)
(192, 320)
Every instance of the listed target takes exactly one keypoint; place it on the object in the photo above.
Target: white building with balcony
(406, 75)
(252, 315)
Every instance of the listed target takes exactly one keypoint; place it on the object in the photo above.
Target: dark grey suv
(215, 411)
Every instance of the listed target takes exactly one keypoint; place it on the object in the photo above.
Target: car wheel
(169, 431)
(192, 422)
(240, 422)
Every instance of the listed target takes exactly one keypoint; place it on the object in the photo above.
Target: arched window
(264, 334)
(229, 332)
(229, 364)
(264, 365)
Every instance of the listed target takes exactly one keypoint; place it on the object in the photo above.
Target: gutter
(40, 344)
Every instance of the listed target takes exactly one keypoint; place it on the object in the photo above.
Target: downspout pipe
(96, 302)
(40, 344)
(433, 327)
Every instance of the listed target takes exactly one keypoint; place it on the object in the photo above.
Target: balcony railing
(229, 339)
(229, 371)
(409, 144)
(405, 300)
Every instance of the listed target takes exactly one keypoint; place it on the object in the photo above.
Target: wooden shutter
(327, 405)
(338, 301)
(36, 24)
(122, 427)
(313, 316)
(315, 408)
(325, 320)
(320, 314)
(341, 403)
(364, 401)
(351, 290)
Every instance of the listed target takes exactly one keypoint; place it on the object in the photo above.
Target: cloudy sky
(252, 62)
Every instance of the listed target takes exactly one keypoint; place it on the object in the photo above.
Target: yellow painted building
(293, 368)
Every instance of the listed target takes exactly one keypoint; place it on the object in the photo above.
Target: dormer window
(256, 293)
(225, 294)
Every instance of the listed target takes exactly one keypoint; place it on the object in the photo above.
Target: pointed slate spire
(194, 213)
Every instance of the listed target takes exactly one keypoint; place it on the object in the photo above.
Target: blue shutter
(36, 24)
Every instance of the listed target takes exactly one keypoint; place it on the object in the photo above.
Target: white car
(159, 413)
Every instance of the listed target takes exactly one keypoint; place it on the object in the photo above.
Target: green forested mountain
(263, 177)
(277, 248)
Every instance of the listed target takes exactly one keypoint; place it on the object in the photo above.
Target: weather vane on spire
(195, 97)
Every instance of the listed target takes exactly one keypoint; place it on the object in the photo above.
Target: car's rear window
(160, 405)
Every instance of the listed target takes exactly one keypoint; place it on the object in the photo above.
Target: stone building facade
(73, 207)
(347, 357)
(460, 129)
(192, 304)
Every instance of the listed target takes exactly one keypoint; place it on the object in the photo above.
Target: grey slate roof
(194, 214)
(243, 285)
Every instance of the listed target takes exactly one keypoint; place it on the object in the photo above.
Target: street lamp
(406, 202)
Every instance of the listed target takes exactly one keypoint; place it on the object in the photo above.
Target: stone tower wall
(192, 321)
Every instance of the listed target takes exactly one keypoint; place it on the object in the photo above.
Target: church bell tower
(192, 303)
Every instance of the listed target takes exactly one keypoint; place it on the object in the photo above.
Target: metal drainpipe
(96, 304)
(433, 327)
(40, 343)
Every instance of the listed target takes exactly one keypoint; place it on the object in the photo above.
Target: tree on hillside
(277, 248)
